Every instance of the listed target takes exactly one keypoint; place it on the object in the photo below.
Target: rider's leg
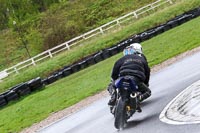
(144, 89)
(112, 91)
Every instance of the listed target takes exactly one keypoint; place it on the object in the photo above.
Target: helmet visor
(129, 51)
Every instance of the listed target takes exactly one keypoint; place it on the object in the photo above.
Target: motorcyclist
(135, 64)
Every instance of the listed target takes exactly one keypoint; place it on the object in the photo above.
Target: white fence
(66, 45)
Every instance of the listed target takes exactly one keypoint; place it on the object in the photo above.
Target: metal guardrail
(66, 45)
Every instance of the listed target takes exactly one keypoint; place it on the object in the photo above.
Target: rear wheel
(120, 114)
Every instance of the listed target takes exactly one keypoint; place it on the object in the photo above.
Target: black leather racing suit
(135, 65)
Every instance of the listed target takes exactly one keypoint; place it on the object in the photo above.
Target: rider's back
(132, 65)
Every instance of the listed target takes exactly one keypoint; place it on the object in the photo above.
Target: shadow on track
(149, 101)
(134, 123)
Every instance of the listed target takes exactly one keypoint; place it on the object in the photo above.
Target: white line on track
(184, 108)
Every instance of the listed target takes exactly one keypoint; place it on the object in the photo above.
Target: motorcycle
(127, 101)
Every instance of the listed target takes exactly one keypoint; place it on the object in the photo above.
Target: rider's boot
(112, 100)
(138, 108)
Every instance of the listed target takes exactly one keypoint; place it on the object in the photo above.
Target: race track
(165, 85)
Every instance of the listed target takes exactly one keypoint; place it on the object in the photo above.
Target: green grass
(61, 22)
(45, 68)
(72, 89)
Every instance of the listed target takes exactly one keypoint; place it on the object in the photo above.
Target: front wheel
(120, 114)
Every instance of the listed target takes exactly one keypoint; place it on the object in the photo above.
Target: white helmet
(137, 47)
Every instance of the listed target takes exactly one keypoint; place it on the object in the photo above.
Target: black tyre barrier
(144, 36)
(166, 27)
(189, 17)
(98, 57)
(90, 60)
(173, 23)
(17, 91)
(21, 89)
(3, 101)
(121, 46)
(11, 96)
(176, 21)
(129, 41)
(185, 18)
(83, 64)
(105, 54)
(152, 33)
(4, 93)
(113, 50)
(195, 12)
(75, 68)
(124, 44)
(51, 79)
(58, 75)
(67, 71)
(35, 84)
(148, 34)
(137, 39)
(160, 29)
(45, 81)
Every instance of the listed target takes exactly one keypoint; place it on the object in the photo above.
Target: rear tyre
(120, 114)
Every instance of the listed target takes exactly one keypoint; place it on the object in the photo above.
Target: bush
(56, 37)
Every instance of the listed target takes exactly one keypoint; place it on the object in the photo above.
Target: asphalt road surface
(165, 85)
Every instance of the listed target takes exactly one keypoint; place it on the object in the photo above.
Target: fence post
(152, 7)
(16, 70)
(118, 23)
(84, 37)
(50, 54)
(33, 62)
(67, 45)
(101, 30)
(135, 15)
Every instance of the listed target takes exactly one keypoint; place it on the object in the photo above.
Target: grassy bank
(70, 90)
(47, 23)
(89, 47)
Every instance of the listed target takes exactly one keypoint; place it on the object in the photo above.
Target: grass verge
(63, 59)
(72, 89)
(58, 21)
